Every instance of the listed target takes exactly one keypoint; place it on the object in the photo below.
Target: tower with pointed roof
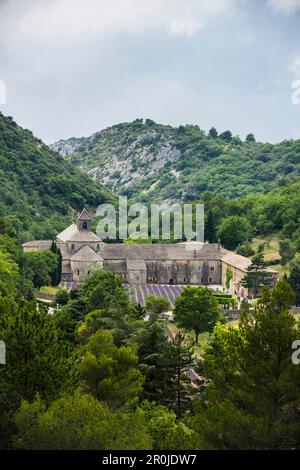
(80, 247)
(84, 221)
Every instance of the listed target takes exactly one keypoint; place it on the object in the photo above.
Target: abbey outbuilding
(191, 262)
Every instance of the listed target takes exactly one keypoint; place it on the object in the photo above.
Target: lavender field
(140, 292)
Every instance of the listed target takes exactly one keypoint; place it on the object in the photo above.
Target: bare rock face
(152, 162)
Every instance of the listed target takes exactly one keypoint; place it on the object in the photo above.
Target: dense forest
(152, 162)
(39, 191)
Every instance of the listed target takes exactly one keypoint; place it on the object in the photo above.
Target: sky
(73, 67)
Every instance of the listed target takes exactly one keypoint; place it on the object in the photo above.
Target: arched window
(84, 226)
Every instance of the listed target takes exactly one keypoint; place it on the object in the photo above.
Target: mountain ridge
(154, 162)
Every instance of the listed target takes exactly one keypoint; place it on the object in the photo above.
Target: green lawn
(271, 250)
(49, 290)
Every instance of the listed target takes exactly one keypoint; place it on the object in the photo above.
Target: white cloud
(284, 7)
(63, 18)
(185, 27)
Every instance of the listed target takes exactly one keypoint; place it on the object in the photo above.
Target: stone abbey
(190, 262)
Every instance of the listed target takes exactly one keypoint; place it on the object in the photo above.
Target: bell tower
(84, 221)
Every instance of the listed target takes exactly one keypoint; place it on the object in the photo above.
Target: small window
(212, 268)
(73, 247)
(84, 226)
(77, 272)
(210, 280)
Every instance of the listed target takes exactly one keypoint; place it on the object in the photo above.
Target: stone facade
(182, 263)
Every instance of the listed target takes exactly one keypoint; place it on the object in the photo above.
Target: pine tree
(183, 361)
(156, 363)
(139, 311)
(56, 275)
(257, 276)
(211, 227)
(294, 281)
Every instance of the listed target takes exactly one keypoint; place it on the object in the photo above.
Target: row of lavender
(140, 292)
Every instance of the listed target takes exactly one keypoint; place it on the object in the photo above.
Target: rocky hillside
(154, 162)
(39, 190)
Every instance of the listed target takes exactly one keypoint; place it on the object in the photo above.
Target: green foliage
(229, 276)
(219, 164)
(27, 167)
(166, 431)
(182, 354)
(213, 132)
(39, 267)
(245, 250)
(252, 399)
(78, 422)
(226, 135)
(250, 138)
(156, 305)
(62, 297)
(233, 231)
(108, 372)
(196, 309)
(155, 363)
(294, 281)
(103, 290)
(287, 251)
(257, 277)
(8, 275)
(37, 359)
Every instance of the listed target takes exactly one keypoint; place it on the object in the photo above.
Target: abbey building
(181, 263)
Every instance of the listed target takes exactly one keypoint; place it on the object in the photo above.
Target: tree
(103, 290)
(40, 266)
(250, 138)
(62, 297)
(166, 431)
(156, 363)
(183, 361)
(213, 133)
(78, 422)
(196, 309)
(8, 275)
(287, 251)
(226, 135)
(211, 227)
(233, 231)
(110, 373)
(56, 273)
(294, 281)
(37, 359)
(252, 398)
(257, 276)
(229, 276)
(156, 305)
(139, 311)
(245, 249)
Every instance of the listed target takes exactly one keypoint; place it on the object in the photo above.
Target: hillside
(154, 162)
(39, 190)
